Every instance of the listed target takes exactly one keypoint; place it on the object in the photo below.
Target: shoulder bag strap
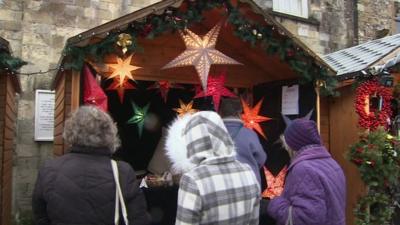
(119, 199)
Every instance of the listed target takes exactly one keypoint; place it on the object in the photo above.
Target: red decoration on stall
(216, 89)
(275, 184)
(164, 86)
(120, 88)
(251, 118)
(92, 92)
(372, 118)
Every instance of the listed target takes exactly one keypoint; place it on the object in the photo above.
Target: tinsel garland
(266, 36)
(10, 63)
(375, 117)
(377, 157)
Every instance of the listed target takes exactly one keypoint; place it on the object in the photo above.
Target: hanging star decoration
(185, 108)
(201, 53)
(116, 86)
(164, 86)
(216, 89)
(275, 184)
(122, 69)
(251, 118)
(139, 115)
(93, 94)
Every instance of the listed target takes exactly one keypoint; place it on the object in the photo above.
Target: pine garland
(377, 157)
(10, 63)
(249, 31)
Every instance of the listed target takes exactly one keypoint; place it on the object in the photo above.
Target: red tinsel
(374, 118)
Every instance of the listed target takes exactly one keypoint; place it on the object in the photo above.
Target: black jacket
(79, 188)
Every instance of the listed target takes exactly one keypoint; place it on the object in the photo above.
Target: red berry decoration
(370, 118)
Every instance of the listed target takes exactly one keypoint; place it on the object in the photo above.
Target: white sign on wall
(44, 115)
(290, 100)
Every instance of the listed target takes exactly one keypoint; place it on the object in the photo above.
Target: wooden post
(318, 85)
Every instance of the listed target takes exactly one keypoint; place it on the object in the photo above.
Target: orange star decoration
(116, 86)
(251, 119)
(201, 53)
(275, 183)
(184, 109)
(122, 69)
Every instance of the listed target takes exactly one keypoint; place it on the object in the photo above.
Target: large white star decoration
(201, 53)
(122, 69)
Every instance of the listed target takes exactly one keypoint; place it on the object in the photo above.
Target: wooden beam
(75, 90)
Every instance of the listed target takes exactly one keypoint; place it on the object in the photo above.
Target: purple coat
(315, 188)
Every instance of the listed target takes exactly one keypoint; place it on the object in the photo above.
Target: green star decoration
(139, 115)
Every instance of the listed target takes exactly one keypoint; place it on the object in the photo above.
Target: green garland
(249, 31)
(10, 63)
(377, 156)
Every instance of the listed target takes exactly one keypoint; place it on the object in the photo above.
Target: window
(292, 7)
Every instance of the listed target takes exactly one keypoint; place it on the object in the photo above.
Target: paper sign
(290, 100)
(44, 115)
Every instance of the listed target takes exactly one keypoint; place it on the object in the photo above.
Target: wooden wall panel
(324, 123)
(343, 133)
(67, 100)
(8, 118)
(59, 117)
(3, 104)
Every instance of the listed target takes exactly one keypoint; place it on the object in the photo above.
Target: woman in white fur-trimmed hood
(215, 188)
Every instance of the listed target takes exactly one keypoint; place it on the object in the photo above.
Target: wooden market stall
(364, 60)
(9, 87)
(270, 56)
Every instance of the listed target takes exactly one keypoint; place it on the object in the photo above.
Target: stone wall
(330, 25)
(37, 31)
(373, 16)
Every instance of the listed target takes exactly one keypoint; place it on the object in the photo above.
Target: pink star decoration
(251, 117)
(216, 89)
(120, 88)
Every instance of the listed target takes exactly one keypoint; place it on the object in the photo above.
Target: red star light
(164, 86)
(216, 89)
(251, 117)
(120, 88)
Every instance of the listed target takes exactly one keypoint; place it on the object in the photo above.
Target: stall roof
(360, 57)
(5, 47)
(121, 23)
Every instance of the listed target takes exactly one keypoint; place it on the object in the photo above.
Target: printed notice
(290, 100)
(44, 115)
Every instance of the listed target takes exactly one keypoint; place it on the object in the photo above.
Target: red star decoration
(120, 88)
(251, 119)
(216, 89)
(164, 86)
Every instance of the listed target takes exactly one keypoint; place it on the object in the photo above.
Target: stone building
(37, 31)
(329, 25)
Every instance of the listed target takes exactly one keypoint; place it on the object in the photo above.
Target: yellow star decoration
(184, 109)
(122, 69)
(201, 53)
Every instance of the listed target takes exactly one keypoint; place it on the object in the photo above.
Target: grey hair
(91, 127)
(287, 147)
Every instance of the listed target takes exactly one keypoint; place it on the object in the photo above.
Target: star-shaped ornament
(164, 86)
(116, 86)
(251, 118)
(122, 69)
(216, 89)
(201, 53)
(185, 108)
(139, 115)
